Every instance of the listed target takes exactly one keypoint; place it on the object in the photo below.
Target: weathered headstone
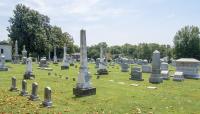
(124, 67)
(43, 62)
(155, 75)
(24, 88)
(97, 63)
(47, 97)
(65, 60)
(83, 86)
(71, 61)
(164, 70)
(2, 63)
(14, 84)
(55, 61)
(102, 70)
(34, 92)
(178, 76)
(136, 74)
(29, 73)
(146, 69)
(16, 55)
(24, 55)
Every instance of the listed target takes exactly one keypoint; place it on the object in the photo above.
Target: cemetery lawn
(114, 93)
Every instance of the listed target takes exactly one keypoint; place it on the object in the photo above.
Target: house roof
(188, 60)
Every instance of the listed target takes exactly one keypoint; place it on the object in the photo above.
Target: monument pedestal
(102, 71)
(64, 67)
(16, 59)
(29, 75)
(80, 92)
(24, 93)
(155, 78)
(47, 103)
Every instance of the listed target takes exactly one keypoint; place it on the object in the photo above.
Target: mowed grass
(112, 97)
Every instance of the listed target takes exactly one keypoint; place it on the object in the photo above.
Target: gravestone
(83, 86)
(43, 62)
(71, 61)
(164, 70)
(29, 73)
(65, 60)
(14, 84)
(155, 75)
(102, 70)
(16, 55)
(24, 88)
(136, 74)
(47, 97)
(34, 92)
(97, 62)
(2, 63)
(55, 61)
(178, 76)
(24, 55)
(146, 69)
(124, 67)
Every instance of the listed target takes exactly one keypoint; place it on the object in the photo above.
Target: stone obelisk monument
(65, 59)
(83, 86)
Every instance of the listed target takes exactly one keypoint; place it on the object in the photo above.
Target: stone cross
(13, 85)
(156, 76)
(47, 97)
(34, 92)
(24, 88)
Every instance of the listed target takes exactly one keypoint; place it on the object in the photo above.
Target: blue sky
(113, 21)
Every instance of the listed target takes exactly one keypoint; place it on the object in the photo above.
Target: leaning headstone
(102, 70)
(65, 60)
(34, 92)
(2, 63)
(55, 61)
(146, 69)
(83, 86)
(16, 55)
(24, 88)
(24, 55)
(155, 75)
(14, 84)
(124, 67)
(29, 73)
(136, 74)
(178, 76)
(47, 97)
(43, 62)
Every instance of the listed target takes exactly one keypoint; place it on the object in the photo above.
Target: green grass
(111, 98)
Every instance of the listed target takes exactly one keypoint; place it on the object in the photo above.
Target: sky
(115, 22)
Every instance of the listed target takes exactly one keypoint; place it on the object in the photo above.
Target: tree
(186, 42)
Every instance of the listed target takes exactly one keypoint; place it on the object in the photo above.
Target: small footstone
(151, 87)
(134, 85)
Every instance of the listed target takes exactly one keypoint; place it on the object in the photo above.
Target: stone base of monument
(155, 79)
(16, 60)
(29, 75)
(34, 98)
(47, 104)
(102, 71)
(79, 92)
(192, 76)
(64, 67)
(13, 89)
(55, 62)
(4, 69)
(23, 93)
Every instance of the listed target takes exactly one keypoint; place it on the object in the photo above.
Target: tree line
(32, 29)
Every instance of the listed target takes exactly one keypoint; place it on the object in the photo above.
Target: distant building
(189, 67)
(6, 50)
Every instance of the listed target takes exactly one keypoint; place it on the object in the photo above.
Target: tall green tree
(186, 42)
